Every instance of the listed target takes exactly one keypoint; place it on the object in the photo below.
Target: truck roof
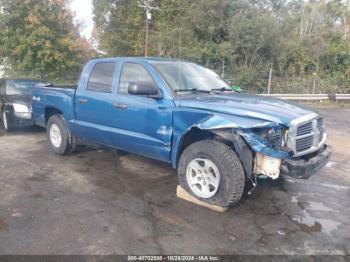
(147, 59)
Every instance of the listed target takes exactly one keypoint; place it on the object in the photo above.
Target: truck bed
(59, 97)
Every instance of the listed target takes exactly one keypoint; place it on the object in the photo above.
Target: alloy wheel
(203, 177)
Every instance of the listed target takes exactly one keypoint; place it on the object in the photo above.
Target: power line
(126, 29)
(142, 30)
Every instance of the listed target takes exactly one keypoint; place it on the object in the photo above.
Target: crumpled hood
(254, 106)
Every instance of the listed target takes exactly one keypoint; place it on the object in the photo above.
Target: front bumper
(302, 168)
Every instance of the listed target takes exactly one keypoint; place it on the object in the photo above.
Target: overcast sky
(83, 12)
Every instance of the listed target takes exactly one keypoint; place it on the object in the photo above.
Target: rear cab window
(101, 78)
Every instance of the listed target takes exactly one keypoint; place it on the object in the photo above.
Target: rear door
(142, 125)
(93, 104)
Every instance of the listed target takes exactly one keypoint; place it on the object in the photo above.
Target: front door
(143, 125)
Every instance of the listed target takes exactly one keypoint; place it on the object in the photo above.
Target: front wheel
(58, 134)
(212, 172)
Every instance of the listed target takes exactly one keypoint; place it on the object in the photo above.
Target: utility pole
(345, 14)
(147, 6)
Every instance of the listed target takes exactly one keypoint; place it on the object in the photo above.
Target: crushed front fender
(186, 120)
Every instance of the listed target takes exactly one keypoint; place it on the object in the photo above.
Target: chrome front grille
(305, 143)
(306, 134)
(304, 129)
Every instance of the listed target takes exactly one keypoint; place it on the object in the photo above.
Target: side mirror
(143, 89)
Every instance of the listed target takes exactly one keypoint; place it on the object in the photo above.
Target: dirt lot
(103, 202)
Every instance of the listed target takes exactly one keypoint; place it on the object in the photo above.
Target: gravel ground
(99, 201)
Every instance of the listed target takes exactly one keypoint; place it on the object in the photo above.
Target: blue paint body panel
(155, 127)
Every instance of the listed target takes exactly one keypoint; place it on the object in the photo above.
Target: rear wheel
(60, 140)
(212, 172)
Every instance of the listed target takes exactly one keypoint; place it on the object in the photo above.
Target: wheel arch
(51, 111)
(224, 135)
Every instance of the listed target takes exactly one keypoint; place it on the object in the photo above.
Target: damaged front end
(261, 145)
(297, 149)
(269, 144)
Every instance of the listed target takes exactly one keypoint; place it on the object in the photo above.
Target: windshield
(20, 87)
(186, 76)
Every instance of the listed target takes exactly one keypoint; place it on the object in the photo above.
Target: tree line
(243, 40)
(39, 39)
(240, 39)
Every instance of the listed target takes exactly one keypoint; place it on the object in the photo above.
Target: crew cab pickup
(184, 114)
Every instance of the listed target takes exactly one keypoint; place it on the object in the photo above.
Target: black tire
(67, 144)
(232, 182)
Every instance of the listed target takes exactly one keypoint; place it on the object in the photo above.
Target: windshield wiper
(221, 89)
(193, 90)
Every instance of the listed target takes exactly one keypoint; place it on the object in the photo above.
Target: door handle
(83, 100)
(120, 106)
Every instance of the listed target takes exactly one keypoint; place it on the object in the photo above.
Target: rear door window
(101, 78)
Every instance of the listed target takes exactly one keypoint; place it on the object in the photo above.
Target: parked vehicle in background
(184, 114)
(15, 102)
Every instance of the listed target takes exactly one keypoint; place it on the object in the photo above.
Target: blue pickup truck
(184, 114)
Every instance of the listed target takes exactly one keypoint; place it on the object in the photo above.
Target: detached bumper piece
(302, 168)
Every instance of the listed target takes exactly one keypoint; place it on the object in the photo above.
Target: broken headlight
(274, 137)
